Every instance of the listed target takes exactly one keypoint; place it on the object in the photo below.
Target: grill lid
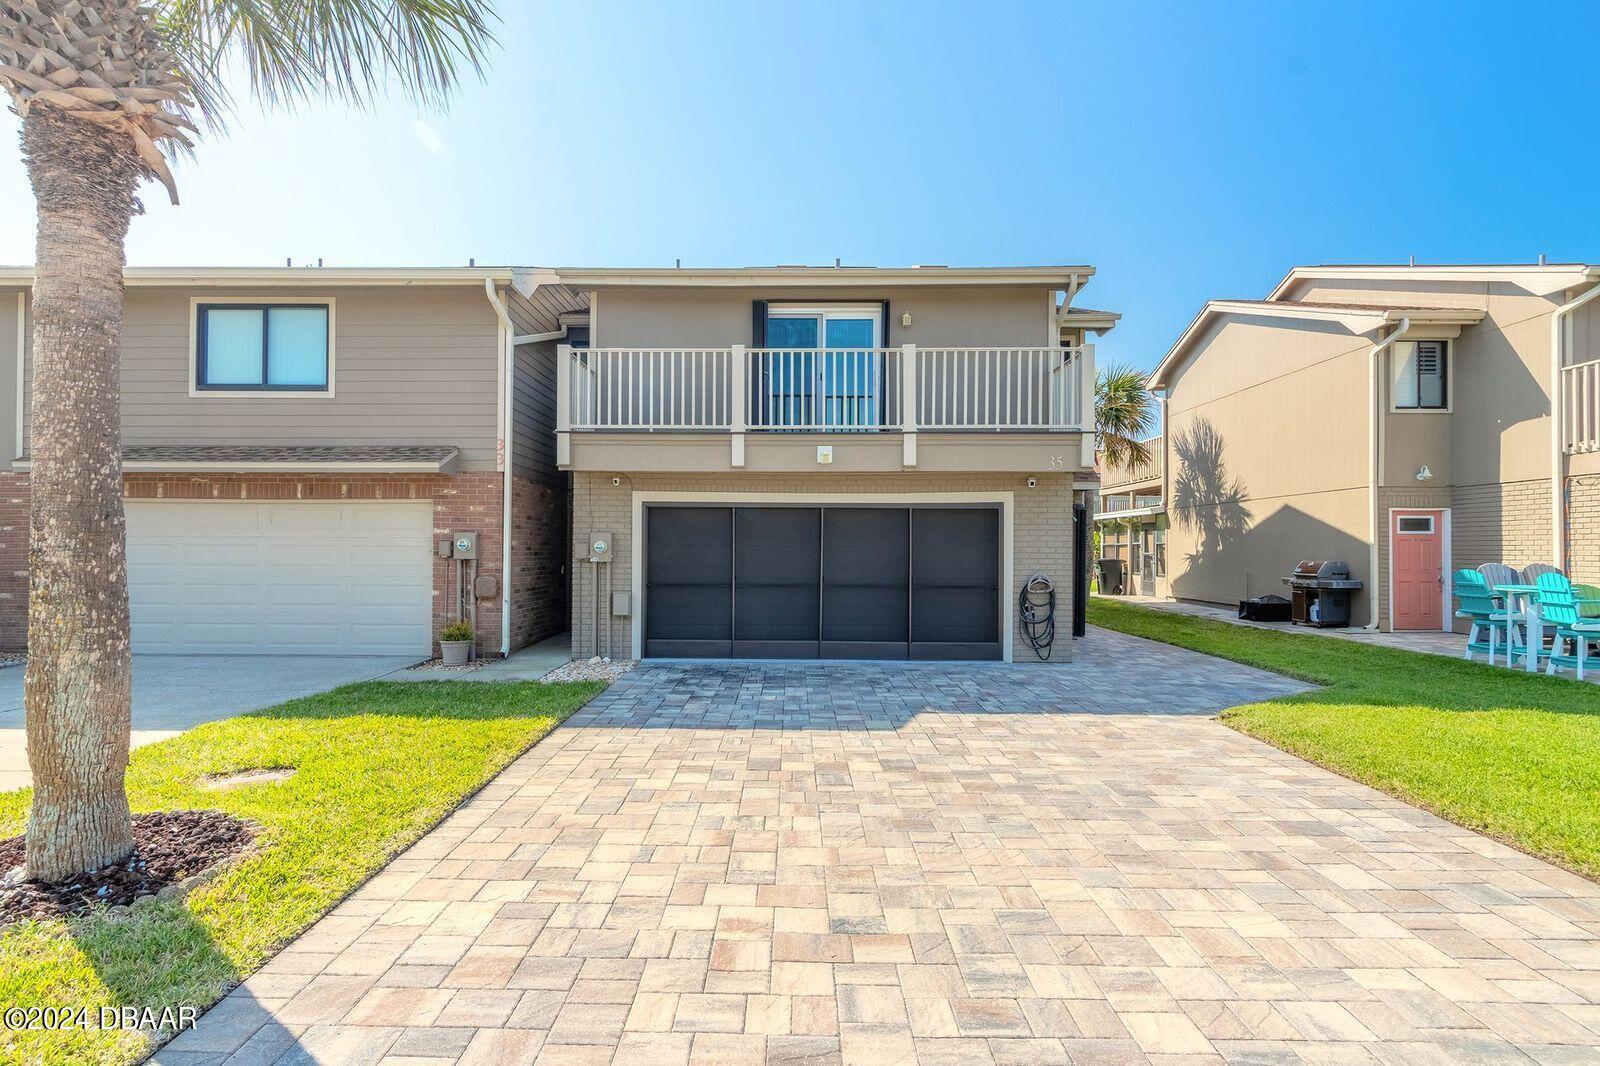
(1323, 569)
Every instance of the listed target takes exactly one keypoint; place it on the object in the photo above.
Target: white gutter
(1558, 503)
(1374, 471)
(508, 362)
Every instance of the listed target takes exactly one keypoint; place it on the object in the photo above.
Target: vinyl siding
(955, 316)
(534, 391)
(411, 366)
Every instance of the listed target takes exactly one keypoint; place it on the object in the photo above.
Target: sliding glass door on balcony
(821, 370)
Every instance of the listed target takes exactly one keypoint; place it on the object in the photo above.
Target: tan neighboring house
(1408, 420)
(1132, 520)
(824, 462)
(303, 448)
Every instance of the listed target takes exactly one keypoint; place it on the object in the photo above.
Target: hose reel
(1036, 607)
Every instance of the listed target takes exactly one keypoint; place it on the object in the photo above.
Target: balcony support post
(908, 403)
(563, 405)
(738, 403)
(1086, 390)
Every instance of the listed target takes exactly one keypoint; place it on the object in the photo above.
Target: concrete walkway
(737, 862)
(172, 693)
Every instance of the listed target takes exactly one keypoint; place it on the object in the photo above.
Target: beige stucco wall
(1266, 457)
(954, 315)
(1500, 379)
(1042, 534)
(411, 366)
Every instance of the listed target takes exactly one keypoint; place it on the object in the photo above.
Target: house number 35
(1058, 462)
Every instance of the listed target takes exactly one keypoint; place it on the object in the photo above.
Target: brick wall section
(460, 502)
(1583, 528)
(539, 606)
(1502, 523)
(1420, 497)
(1041, 521)
(13, 561)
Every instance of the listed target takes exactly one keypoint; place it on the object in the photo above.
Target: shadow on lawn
(136, 955)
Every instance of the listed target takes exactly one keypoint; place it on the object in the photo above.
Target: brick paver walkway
(879, 864)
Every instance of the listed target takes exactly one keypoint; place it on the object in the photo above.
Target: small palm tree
(107, 90)
(1124, 415)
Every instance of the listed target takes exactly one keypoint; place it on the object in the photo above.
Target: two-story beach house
(1407, 420)
(798, 462)
(825, 462)
(329, 461)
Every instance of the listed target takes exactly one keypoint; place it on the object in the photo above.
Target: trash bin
(1113, 576)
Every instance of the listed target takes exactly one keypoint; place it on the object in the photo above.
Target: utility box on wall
(464, 543)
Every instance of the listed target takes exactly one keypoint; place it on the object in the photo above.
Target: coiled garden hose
(1036, 606)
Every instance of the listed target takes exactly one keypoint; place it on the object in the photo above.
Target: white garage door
(288, 578)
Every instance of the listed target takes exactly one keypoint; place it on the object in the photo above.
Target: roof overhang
(819, 277)
(1101, 322)
(1537, 279)
(309, 277)
(202, 459)
(1357, 320)
(1132, 512)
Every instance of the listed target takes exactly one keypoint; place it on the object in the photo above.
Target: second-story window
(1421, 376)
(262, 347)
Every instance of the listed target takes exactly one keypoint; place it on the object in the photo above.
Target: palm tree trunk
(78, 696)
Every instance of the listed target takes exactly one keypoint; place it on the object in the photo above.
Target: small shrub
(458, 630)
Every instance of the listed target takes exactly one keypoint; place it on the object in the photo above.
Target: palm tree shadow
(1204, 498)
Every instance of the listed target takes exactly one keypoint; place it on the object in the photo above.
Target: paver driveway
(720, 862)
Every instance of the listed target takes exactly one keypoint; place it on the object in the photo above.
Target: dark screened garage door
(829, 582)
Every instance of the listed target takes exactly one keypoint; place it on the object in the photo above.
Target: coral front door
(1416, 544)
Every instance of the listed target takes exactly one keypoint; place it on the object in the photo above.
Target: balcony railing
(741, 390)
(1149, 470)
(1580, 407)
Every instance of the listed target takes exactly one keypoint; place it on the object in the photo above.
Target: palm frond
(1124, 414)
(349, 50)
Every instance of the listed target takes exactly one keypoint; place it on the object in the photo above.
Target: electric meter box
(600, 546)
(464, 543)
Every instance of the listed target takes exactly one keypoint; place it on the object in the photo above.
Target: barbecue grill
(1319, 593)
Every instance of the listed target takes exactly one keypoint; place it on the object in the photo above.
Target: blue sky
(1188, 151)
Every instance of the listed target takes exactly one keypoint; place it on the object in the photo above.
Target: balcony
(856, 409)
(1580, 407)
(1147, 472)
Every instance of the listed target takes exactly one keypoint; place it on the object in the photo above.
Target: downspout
(1558, 503)
(1374, 471)
(508, 365)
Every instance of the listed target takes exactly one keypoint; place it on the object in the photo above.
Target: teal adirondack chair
(1475, 601)
(1559, 609)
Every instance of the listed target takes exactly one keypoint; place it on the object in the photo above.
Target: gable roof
(1357, 318)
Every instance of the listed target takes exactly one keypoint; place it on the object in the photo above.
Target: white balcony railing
(855, 390)
(1580, 407)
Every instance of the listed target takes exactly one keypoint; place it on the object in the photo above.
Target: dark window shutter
(885, 337)
(757, 384)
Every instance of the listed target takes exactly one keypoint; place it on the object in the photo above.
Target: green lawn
(1508, 753)
(376, 764)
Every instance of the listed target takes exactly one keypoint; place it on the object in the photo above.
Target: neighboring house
(833, 462)
(300, 447)
(1408, 420)
(1132, 520)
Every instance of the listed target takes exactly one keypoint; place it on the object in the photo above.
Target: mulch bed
(168, 847)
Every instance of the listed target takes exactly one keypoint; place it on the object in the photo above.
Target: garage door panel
(776, 554)
(865, 613)
(691, 544)
(281, 578)
(688, 581)
(690, 612)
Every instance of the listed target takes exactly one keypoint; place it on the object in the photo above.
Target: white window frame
(196, 391)
(1401, 517)
(1449, 377)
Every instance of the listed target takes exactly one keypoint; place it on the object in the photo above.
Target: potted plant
(455, 642)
